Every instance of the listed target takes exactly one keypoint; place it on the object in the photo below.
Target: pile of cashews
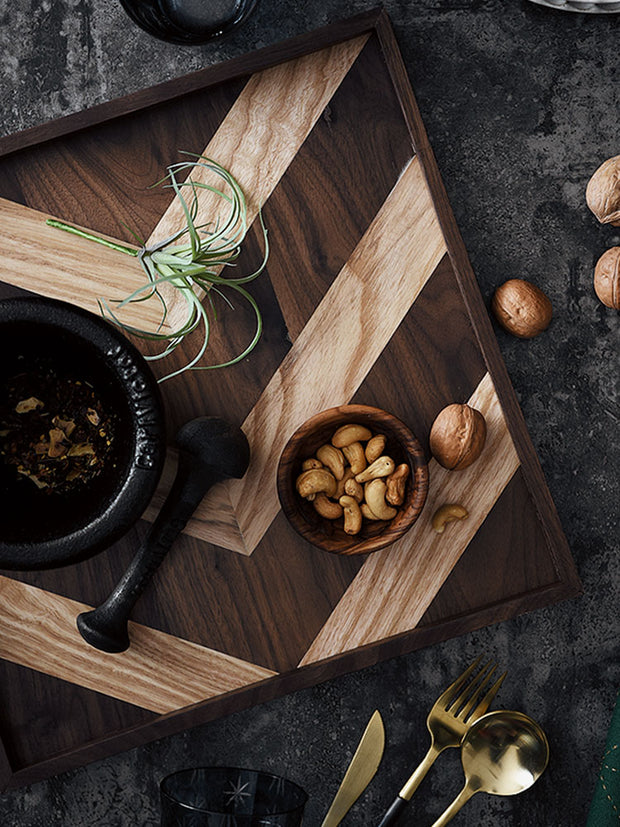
(351, 477)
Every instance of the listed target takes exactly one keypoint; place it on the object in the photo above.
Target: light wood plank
(264, 130)
(60, 265)
(159, 672)
(223, 527)
(395, 586)
(257, 141)
(339, 345)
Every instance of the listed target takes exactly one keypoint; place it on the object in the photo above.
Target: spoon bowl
(503, 753)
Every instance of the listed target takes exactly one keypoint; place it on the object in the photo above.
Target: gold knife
(360, 771)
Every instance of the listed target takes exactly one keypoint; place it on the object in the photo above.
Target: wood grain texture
(263, 132)
(256, 142)
(504, 570)
(322, 241)
(395, 587)
(159, 672)
(339, 345)
(264, 129)
(224, 529)
(330, 194)
(60, 265)
(249, 607)
(476, 309)
(400, 444)
(35, 730)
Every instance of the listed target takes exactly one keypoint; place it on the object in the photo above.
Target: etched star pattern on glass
(226, 797)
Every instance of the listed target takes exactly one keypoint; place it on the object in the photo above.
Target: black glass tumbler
(188, 21)
(229, 797)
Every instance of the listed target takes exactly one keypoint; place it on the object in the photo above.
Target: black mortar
(42, 529)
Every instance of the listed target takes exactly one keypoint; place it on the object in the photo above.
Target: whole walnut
(521, 308)
(607, 278)
(603, 192)
(458, 436)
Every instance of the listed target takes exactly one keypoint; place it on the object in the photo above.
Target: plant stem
(113, 245)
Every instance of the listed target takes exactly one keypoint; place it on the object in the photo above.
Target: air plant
(194, 257)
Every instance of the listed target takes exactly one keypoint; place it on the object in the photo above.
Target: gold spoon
(503, 753)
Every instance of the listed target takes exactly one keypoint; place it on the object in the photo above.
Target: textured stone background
(521, 105)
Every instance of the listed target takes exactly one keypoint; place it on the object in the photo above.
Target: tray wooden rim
(168, 90)
(375, 21)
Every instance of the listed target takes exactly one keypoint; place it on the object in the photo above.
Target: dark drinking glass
(188, 21)
(228, 797)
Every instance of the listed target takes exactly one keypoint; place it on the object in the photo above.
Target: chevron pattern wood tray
(368, 297)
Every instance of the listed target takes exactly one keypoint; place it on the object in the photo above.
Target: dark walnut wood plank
(463, 609)
(90, 580)
(43, 716)
(545, 507)
(507, 558)
(334, 188)
(419, 372)
(101, 176)
(262, 608)
(328, 223)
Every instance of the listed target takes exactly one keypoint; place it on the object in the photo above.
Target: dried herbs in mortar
(54, 431)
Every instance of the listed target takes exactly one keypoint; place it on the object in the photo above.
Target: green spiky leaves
(191, 261)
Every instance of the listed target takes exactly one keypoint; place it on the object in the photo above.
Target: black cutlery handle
(396, 809)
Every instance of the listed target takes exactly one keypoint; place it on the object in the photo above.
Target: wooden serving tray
(368, 297)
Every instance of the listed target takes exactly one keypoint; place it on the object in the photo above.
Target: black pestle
(210, 450)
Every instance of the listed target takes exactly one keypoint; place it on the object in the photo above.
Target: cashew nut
(352, 515)
(327, 508)
(354, 480)
(347, 434)
(333, 459)
(354, 489)
(396, 483)
(367, 513)
(447, 514)
(381, 467)
(355, 456)
(374, 492)
(348, 475)
(315, 480)
(374, 447)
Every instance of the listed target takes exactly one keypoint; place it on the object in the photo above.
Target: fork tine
(466, 690)
(448, 694)
(475, 690)
(487, 700)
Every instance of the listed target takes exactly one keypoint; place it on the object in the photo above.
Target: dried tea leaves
(54, 431)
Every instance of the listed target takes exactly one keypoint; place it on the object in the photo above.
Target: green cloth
(605, 808)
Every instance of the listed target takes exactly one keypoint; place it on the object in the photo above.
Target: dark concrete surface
(521, 105)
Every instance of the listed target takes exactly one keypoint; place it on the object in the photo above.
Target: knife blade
(360, 771)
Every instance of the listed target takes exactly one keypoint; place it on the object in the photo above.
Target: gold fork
(454, 711)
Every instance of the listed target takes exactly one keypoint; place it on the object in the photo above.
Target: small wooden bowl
(329, 535)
